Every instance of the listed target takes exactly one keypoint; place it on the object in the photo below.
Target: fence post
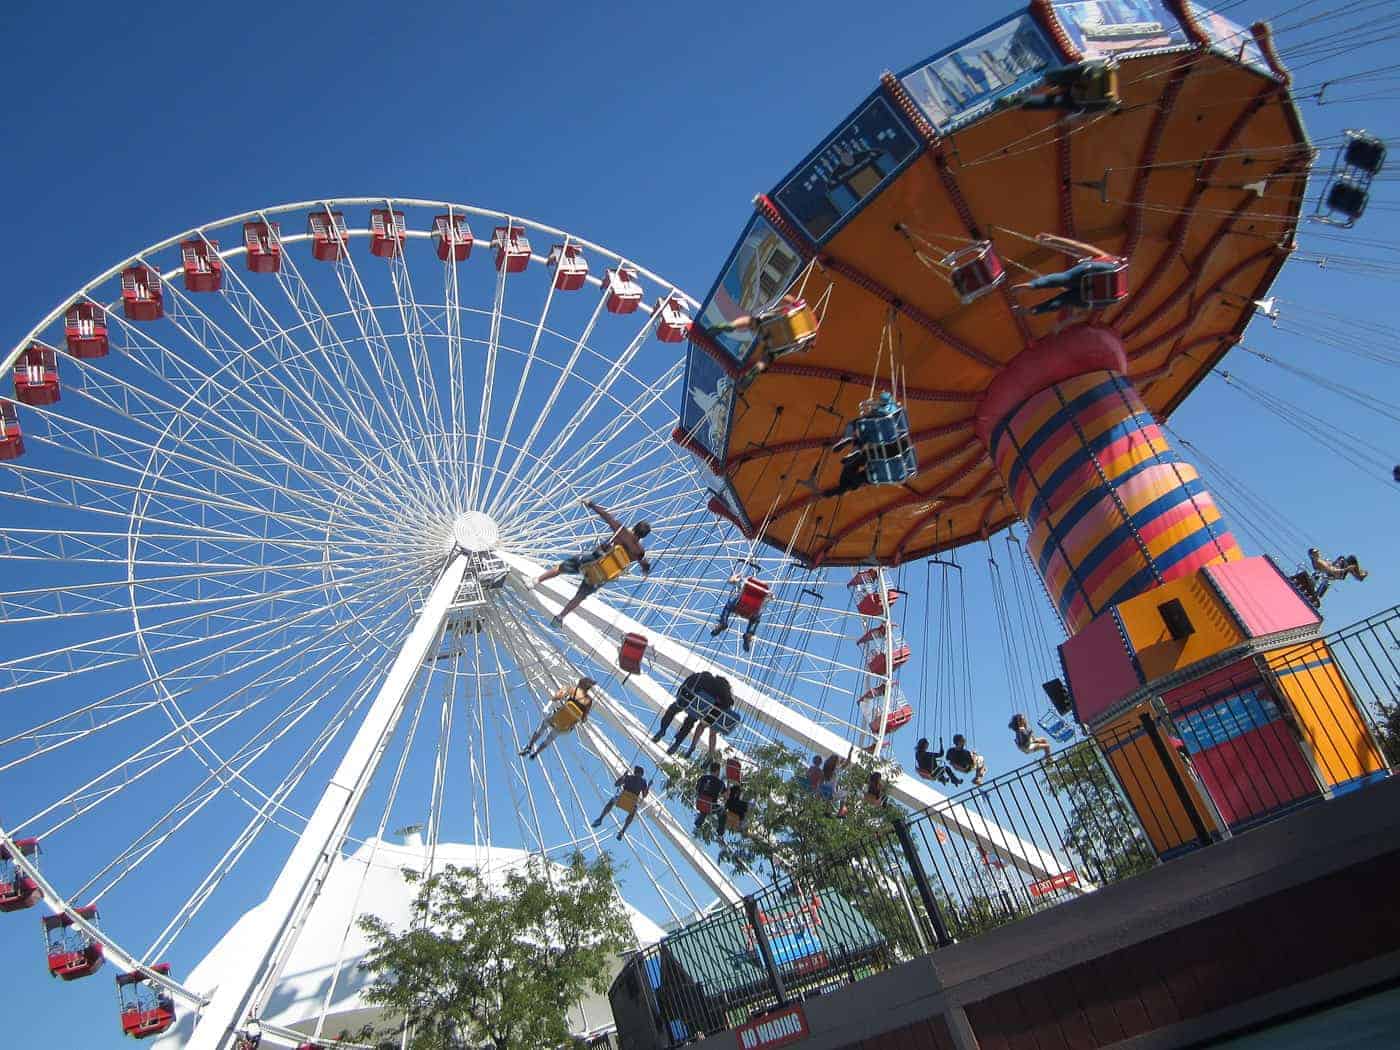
(765, 950)
(916, 868)
(1154, 733)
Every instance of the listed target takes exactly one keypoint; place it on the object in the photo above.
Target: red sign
(782, 1028)
(1062, 881)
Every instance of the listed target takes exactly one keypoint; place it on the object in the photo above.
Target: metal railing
(1292, 727)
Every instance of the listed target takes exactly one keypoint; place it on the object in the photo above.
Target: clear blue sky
(640, 126)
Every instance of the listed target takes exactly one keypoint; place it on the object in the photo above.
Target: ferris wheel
(277, 491)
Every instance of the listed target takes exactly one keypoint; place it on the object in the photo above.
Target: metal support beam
(302, 877)
(598, 618)
(615, 715)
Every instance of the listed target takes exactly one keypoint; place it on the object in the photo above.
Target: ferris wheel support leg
(305, 871)
(677, 659)
(534, 652)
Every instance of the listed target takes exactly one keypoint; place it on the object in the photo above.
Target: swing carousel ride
(280, 490)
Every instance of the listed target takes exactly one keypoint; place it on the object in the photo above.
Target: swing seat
(790, 328)
(566, 716)
(976, 270)
(705, 804)
(751, 598)
(1348, 197)
(1364, 152)
(629, 656)
(898, 718)
(703, 705)
(627, 802)
(874, 800)
(607, 568)
(1056, 727)
(882, 432)
(733, 771)
(733, 821)
(1096, 86)
(1105, 287)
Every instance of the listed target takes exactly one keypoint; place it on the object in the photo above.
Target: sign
(846, 170)
(1102, 28)
(962, 84)
(782, 1028)
(1055, 883)
(760, 269)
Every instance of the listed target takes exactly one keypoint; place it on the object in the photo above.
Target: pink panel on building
(1265, 602)
(1259, 771)
(1099, 668)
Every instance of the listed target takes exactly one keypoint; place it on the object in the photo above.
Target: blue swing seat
(882, 433)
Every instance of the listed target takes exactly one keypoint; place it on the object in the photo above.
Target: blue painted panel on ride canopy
(1230, 39)
(708, 400)
(1101, 28)
(758, 271)
(848, 168)
(961, 84)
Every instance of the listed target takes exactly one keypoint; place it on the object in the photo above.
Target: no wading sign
(781, 1028)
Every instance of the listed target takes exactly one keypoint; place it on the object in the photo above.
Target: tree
(482, 964)
(789, 825)
(1101, 830)
(1388, 730)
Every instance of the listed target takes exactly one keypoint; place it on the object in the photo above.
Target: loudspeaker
(1179, 625)
(1059, 696)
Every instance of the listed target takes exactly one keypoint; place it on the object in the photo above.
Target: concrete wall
(1292, 914)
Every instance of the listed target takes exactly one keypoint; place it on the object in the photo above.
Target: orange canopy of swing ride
(1197, 179)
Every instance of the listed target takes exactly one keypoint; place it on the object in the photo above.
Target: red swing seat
(976, 270)
(733, 771)
(629, 655)
(1105, 287)
(751, 598)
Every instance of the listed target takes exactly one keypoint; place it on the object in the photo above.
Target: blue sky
(641, 127)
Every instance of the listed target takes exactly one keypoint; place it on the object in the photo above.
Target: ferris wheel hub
(476, 532)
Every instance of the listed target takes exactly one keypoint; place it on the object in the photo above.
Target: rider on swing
(629, 540)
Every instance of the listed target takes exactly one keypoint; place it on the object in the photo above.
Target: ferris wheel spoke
(357, 392)
(171, 590)
(264, 817)
(596, 394)
(540, 328)
(310, 395)
(63, 662)
(657, 440)
(561, 382)
(406, 411)
(231, 769)
(251, 384)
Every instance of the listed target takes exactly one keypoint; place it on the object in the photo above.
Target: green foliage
(789, 825)
(1388, 730)
(500, 966)
(1102, 831)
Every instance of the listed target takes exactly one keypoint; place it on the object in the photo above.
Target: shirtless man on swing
(629, 539)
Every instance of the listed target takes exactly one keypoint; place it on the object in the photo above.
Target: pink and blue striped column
(1112, 509)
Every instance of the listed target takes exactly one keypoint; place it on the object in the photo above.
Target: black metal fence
(1248, 743)
(1018, 844)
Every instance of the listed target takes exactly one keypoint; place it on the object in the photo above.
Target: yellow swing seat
(627, 802)
(789, 330)
(607, 568)
(566, 716)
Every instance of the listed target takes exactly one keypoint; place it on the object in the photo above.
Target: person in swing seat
(571, 708)
(770, 346)
(707, 792)
(930, 764)
(1081, 88)
(631, 789)
(1072, 282)
(628, 540)
(730, 607)
(965, 760)
(1338, 568)
(1027, 741)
